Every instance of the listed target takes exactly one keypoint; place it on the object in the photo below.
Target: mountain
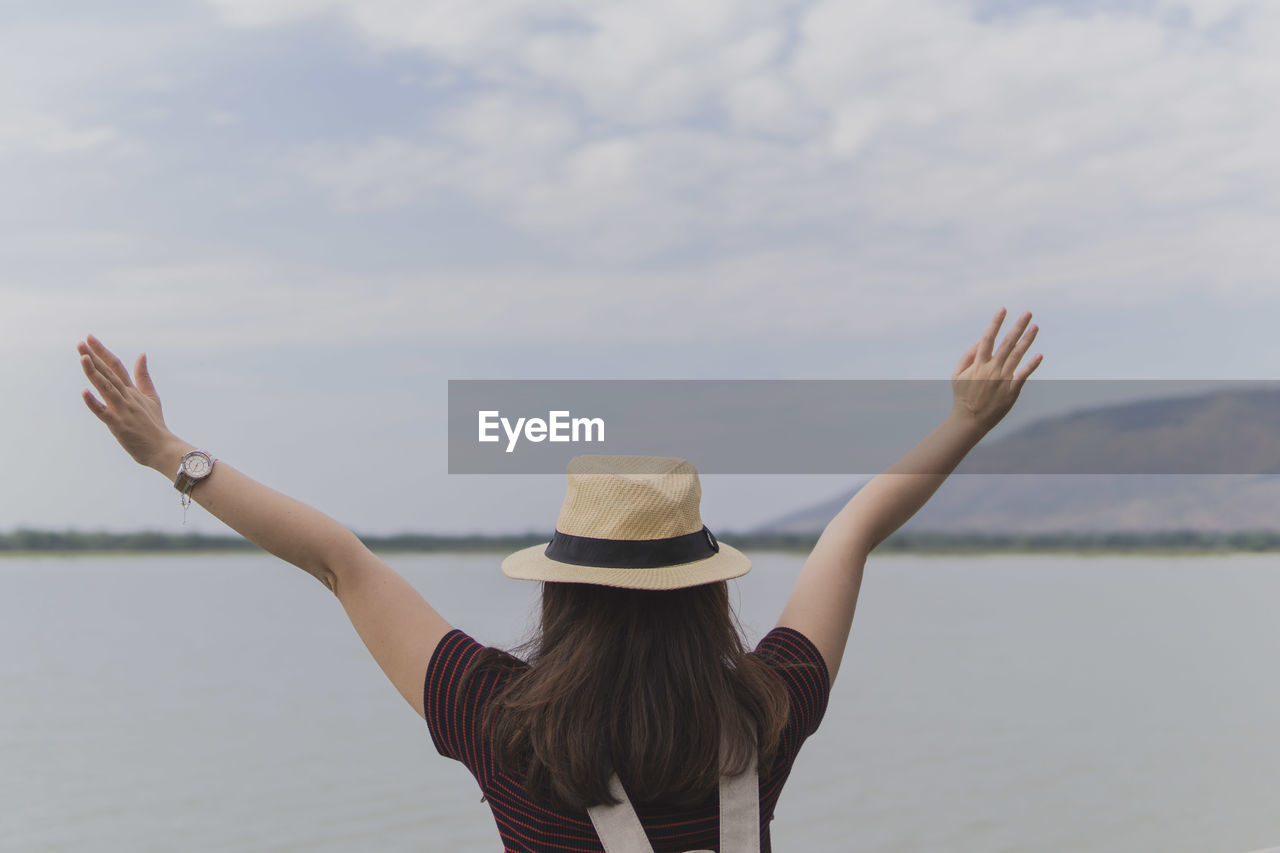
(1234, 431)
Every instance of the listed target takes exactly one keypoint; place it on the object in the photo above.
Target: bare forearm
(893, 496)
(287, 528)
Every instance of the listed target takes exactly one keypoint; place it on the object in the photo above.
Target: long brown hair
(644, 682)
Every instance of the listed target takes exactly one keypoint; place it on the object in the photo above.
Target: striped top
(528, 827)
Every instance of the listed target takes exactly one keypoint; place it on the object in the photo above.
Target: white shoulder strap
(620, 829)
(618, 825)
(740, 811)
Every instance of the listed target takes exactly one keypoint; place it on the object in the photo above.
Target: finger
(103, 369)
(965, 360)
(97, 408)
(1011, 339)
(111, 395)
(1024, 344)
(143, 377)
(988, 339)
(1021, 378)
(114, 364)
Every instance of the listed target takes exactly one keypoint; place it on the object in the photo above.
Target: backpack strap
(618, 825)
(740, 811)
(620, 829)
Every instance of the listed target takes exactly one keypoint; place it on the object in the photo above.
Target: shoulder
(783, 646)
(455, 656)
(453, 705)
(796, 661)
(452, 654)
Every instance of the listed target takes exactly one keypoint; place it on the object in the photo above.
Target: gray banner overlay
(862, 426)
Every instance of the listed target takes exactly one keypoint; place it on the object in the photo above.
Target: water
(995, 703)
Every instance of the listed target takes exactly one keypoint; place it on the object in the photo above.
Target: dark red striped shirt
(527, 827)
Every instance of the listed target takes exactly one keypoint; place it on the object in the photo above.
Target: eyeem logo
(559, 426)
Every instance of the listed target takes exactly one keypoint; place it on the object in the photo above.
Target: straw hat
(630, 521)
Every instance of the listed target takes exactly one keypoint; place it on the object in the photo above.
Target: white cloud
(50, 135)
(44, 72)
(910, 150)
(221, 118)
(219, 306)
(255, 13)
(384, 172)
(1204, 14)
(640, 64)
(632, 62)
(619, 131)
(821, 175)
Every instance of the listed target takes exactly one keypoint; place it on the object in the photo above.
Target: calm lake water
(995, 703)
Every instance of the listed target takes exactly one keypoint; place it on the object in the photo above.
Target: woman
(638, 698)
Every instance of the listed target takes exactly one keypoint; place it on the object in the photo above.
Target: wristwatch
(195, 466)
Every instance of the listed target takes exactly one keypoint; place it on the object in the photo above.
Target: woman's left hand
(131, 411)
(985, 384)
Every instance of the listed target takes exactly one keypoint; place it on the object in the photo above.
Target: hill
(1227, 431)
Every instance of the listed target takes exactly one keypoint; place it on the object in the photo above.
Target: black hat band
(632, 553)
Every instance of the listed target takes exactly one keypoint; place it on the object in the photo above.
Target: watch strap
(183, 481)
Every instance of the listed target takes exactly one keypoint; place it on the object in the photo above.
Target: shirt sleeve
(797, 661)
(453, 717)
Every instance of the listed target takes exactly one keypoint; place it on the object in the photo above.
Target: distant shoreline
(67, 543)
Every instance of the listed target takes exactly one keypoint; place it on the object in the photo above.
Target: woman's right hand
(985, 384)
(131, 411)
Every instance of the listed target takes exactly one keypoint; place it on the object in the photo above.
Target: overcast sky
(313, 213)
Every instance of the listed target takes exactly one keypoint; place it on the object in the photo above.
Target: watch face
(197, 465)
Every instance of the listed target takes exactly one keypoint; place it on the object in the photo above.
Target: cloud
(45, 112)
(36, 134)
(428, 189)
(618, 132)
(791, 169)
(220, 307)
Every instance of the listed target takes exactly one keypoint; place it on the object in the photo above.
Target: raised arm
(985, 386)
(397, 625)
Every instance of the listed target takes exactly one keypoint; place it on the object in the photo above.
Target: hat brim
(532, 564)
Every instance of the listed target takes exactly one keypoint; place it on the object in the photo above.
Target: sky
(311, 214)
